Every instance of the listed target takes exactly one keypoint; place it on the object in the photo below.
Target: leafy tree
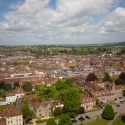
(7, 87)
(27, 87)
(122, 76)
(71, 102)
(98, 103)
(1, 92)
(107, 77)
(70, 81)
(51, 121)
(91, 77)
(72, 67)
(16, 84)
(65, 120)
(26, 111)
(119, 82)
(59, 85)
(47, 91)
(108, 112)
(58, 111)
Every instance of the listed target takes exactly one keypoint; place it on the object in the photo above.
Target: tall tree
(51, 121)
(7, 87)
(58, 111)
(91, 77)
(71, 102)
(27, 87)
(107, 77)
(16, 84)
(108, 112)
(122, 76)
(65, 120)
(59, 85)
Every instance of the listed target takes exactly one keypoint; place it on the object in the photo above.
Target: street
(95, 114)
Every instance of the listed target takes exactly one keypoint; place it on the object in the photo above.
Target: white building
(11, 116)
(12, 97)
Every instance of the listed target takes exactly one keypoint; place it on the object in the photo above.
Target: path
(112, 121)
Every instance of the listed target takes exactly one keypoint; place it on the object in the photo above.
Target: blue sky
(27, 22)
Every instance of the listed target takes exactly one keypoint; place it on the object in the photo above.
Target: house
(118, 91)
(87, 102)
(57, 103)
(11, 116)
(40, 109)
(11, 97)
(2, 121)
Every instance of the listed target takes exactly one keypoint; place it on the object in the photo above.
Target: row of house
(11, 97)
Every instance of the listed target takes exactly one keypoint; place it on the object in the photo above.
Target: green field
(120, 121)
(100, 121)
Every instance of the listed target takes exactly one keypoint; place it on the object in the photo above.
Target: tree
(107, 77)
(72, 67)
(1, 92)
(71, 102)
(91, 77)
(119, 82)
(7, 87)
(98, 103)
(108, 112)
(27, 87)
(26, 111)
(51, 121)
(65, 120)
(59, 85)
(58, 111)
(16, 84)
(70, 81)
(122, 76)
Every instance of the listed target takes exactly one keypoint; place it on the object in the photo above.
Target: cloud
(15, 5)
(115, 22)
(35, 20)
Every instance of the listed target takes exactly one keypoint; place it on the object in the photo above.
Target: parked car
(81, 118)
(74, 121)
(87, 117)
(117, 105)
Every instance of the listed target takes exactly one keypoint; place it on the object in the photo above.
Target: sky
(37, 22)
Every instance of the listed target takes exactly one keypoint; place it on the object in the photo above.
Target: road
(19, 103)
(95, 114)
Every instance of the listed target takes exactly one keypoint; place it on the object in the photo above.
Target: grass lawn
(100, 121)
(120, 121)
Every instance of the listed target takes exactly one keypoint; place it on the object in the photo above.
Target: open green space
(120, 121)
(99, 121)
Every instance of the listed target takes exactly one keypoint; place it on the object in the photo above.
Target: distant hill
(111, 44)
(114, 44)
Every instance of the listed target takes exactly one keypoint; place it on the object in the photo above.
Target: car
(74, 121)
(81, 118)
(117, 105)
(87, 117)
